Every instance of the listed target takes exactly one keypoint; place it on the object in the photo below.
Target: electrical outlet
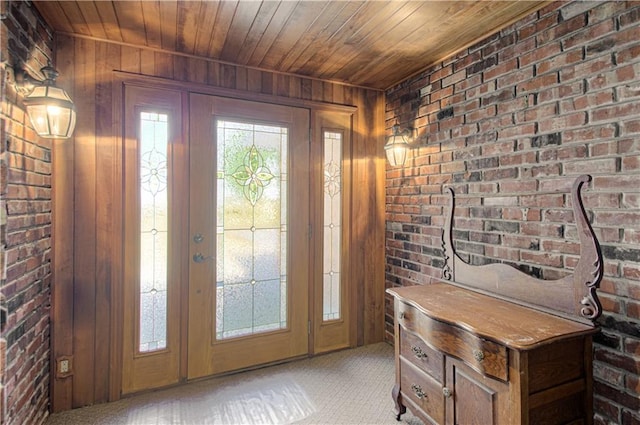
(63, 366)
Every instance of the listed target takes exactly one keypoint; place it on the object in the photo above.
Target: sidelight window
(332, 227)
(153, 170)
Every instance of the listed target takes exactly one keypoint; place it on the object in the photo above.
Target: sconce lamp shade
(397, 147)
(50, 109)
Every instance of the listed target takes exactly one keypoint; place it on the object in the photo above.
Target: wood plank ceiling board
(168, 30)
(109, 19)
(55, 16)
(243, 18)
(294, 62)
(188, 25)
(152, 23)
(302, 17)
(365, 20)
(208, 13)
(257, 30)
(226, 11)
(79, 24)
(406, 52)
(316, 32)
(285, 9)
(131, 21)
(378, 41)
(371, 44)
(90, 14)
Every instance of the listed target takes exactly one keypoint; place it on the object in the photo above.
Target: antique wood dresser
(492, 345)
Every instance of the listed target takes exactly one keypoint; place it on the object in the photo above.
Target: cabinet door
(475, 399)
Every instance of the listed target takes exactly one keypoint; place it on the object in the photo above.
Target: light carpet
(346, 387)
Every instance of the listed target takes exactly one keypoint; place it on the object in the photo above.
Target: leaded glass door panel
(249, 244)
(154, 184)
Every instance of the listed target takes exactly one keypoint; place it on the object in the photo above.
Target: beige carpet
(347, 387)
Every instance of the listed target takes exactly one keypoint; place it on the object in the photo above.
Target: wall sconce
(397, 145)
(50, 109)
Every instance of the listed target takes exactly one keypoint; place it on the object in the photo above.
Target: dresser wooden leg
(397, 398)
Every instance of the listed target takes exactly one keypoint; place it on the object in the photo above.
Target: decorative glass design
(251, 227)
(153, 144)
(332, 226)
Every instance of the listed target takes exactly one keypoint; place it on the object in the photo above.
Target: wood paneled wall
(87, 200)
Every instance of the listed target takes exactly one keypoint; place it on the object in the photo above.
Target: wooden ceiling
(373, 44)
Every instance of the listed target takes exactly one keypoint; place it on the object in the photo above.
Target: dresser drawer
(416, 351)
(486, 357)
(422, 390)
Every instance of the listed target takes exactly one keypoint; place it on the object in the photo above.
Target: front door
(248, 234)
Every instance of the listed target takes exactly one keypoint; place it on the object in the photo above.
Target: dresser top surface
(502, 321)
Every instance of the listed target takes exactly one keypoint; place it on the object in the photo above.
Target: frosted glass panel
(153, 170)
(251, 227)
(332, 226)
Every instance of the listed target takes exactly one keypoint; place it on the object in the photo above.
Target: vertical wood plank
(327, 92)
(295, 87)
(164, 65)
(63, 163)
(147, 62)
(316, 90)
(117, 281)
(306, 89)
(282, 85)
(267, 82)
(85, 227)
(338, 94)
(180, 71)
(213, 74)
(107, 59)
(130, 60)
(376, 243)
(254, 80)
(197, 70)
(241, 78)
(358, 227)
(228, 79)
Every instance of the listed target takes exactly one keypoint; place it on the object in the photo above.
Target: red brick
(524, 80)
(562, 29)
(562, 122)
(539, 54)
(633, 309)
(590, 33)
(596, 166)
(631, 163)
(559, 61)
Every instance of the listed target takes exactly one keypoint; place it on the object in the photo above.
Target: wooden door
(476, 399)
(248, 234)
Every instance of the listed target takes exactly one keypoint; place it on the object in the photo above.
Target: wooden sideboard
(492, 345)
(468, 358)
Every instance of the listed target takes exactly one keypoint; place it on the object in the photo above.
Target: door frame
(120, 82)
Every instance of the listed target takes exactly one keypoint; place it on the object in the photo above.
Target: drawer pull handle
(402, 314)
(478, 355)
(418, 391)
(446, 392)
(417, 351)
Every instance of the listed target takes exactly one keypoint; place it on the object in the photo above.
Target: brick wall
(516, 118)
(25, 223)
